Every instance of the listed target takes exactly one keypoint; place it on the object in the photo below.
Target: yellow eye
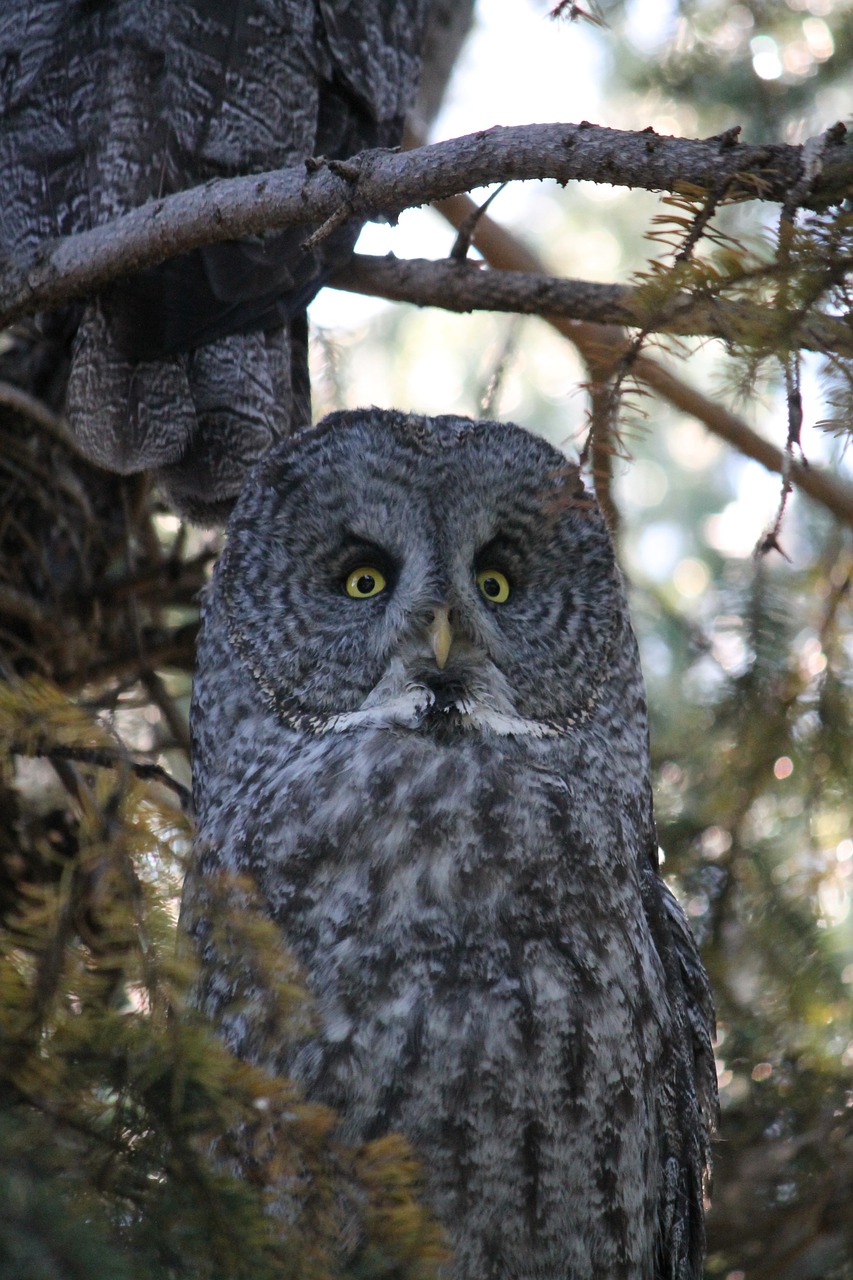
(494, 585)
(365, 581)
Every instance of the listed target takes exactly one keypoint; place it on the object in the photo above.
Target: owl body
(455, 834)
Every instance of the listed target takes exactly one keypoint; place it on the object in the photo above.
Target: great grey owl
(420, 728)
(193, 368)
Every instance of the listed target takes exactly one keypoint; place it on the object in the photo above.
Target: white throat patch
(411, 708)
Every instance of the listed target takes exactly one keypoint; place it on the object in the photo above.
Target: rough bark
(383, 183)
(464, 287)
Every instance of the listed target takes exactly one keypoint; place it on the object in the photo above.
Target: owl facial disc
(442, 577)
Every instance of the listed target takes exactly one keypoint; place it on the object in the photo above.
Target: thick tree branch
(384, 183)
(464, 286)
(379, 183)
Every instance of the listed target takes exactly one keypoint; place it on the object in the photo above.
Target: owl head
(434, 574)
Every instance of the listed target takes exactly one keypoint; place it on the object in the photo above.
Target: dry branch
(383, 183)
(465, 286)
(105, 759)
(834, 494)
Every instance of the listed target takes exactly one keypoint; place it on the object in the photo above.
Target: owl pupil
(365, 584)
(491, 587)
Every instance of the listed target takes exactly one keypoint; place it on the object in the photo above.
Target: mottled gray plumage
(462, 857)
(192, 369)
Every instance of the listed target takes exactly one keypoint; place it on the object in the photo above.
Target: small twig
(160, 648)
(795, 404)
(703, 217)
(31, 407)
(163, 580)
(490, 395)
(770, 540)
(811, 167)
(337, 219)
(568, 9)
(466, 232)
(176, 722)
(599, 448)
(103, 758)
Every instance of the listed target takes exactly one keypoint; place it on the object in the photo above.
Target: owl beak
(440, 635)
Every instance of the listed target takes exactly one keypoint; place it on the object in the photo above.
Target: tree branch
(601, 346)
(105, 758)
(29, 406)
(465, 286)
(834, 494)
(378, 183)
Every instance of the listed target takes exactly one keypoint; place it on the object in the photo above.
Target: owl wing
(193, 368)
(699, 1003)
(688, 1105)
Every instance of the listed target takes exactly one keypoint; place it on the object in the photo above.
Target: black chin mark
(449, 694)
(444, 721)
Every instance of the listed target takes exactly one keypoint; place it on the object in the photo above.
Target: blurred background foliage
(112, 1093)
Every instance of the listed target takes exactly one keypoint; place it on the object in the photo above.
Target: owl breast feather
(468, 916)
